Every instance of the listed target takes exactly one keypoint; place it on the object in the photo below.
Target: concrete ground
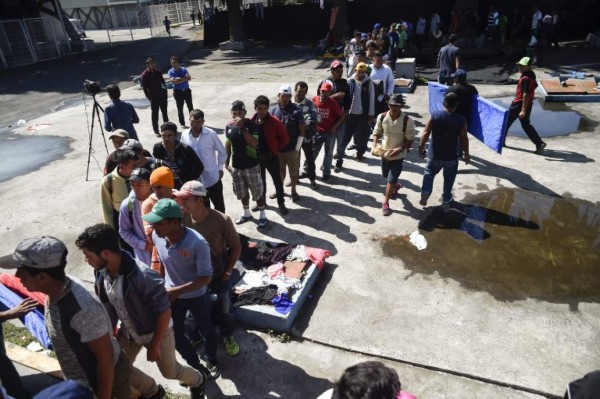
(446, 335)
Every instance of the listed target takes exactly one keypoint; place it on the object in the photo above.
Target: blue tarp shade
(34, 320)
(488, 124)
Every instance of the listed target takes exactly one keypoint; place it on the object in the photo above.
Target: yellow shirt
(392, 132)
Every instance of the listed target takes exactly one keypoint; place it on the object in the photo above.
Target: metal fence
(26, 41)
(178, 13)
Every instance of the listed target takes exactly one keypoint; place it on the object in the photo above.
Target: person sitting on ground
(119, 114)
(242, 162)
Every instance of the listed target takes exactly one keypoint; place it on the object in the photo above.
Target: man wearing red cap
(332, 117)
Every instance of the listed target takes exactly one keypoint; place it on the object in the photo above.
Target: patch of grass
(17, 335)
(284, 338)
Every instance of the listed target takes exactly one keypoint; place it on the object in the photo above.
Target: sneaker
(160, 394)
(295, 197)
(242, 219)
(385, 208)
(540, 148)
(231, 346)
(395, 192)
(199, 391)
(337, 169)
(283, 210)
(424, 198)
(359, 157)
(313, 185)
(262, 222)
(213, 370)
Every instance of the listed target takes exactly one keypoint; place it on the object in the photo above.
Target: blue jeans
(226, 318)
(329, 140)
(200, 310)
(340, 150)
(432, 168)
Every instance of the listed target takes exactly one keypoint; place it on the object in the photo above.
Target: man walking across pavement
(131, 227)
(225, 250)
(181, 88)
(448, 60)
(465, 93)
(167, 24)
(272, 138)
(155, 90)
(242, 162)
(211, 151)
(445, 127)
(120, 114)
(289, 156)
(361, 114)
(523, 103)
(397, 132)
(179, 157)
(311, 118)
(185, 256)
(135, 295)
(331, 117)
(77, 323)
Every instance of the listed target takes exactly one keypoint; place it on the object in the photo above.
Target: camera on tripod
(91, 87)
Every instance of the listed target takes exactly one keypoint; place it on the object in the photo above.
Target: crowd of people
(166, 240)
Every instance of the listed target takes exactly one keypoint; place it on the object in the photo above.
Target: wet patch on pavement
(513, 244)
(549, 119)
(20, 155)
(71, 102)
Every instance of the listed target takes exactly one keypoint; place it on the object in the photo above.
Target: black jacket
(189, 165)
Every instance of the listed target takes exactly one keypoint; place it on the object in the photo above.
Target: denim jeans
(432, 168)
(226, 318)
(329, 140)
(200, 310)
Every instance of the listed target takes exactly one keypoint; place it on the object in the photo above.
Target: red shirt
(527, 84)
(329, 111)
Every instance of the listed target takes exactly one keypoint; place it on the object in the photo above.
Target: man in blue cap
(465, 93)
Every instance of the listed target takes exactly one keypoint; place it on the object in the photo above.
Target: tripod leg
(87, 171)
(98, 108)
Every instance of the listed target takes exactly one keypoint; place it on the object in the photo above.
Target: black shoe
(540, 148)
(160, 394)
(313, 185)
(199, 391)
(295, 197)
(337, 168)
(283, 210)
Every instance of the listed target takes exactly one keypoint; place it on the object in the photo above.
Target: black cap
(396, 99)
(140, 174)
(238, 106)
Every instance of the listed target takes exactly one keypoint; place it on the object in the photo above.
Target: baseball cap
(398, 26)
(326, 86)
(525, 61)
(364, 36)
(119, 133)
(165, 208)
(285, 89)
(377, 26)
(42, 253)
(396, 99)
(460, 74)
(191, 188)
(361, 66)
(337, 63)
(162, 176)
(133, 145)
(238, 106)
(140, 174)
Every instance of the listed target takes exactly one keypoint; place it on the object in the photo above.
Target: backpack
(404, 122)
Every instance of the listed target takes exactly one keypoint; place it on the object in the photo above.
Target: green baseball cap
(525, 61)
(165, 208)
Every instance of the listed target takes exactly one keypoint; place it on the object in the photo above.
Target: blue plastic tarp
(488, 120)
(33, 321)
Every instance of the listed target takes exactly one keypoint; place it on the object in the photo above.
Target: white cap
(285, 89)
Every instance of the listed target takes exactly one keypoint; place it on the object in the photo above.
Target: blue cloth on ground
(282, 303)
(33, 321)
(488, 124)
(66, 390)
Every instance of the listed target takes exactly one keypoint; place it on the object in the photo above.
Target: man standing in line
(118, 138)
(331, 117)
(465, 93)
(120, 114)
(311, 117)
(383, 75)
(272, 138)
(131, 227)
(179, 157)
(448, 61)
(361, 114)
(523, 103)
(397, 132)
(155, 90)
(211, 152)
(77, 323)
(292, 118)
(135, 295)
(225, 250)
(185, 256)
(242, 163)
(181, 89)
(445, 127)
